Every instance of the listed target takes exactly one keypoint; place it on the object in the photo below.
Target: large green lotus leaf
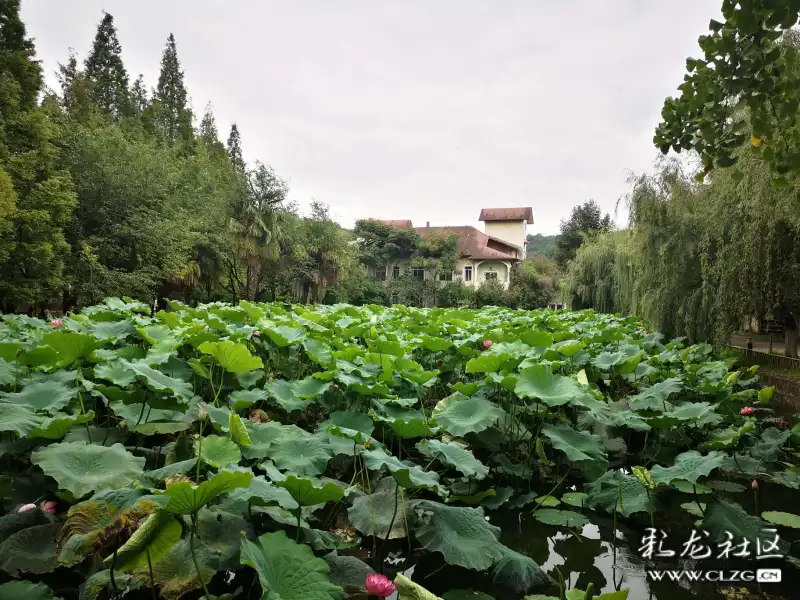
(655, 396)
(782, 518)
(70, 346)
(305, 455)
(435, 344)
(728, 437)
(287, 570)
(47, 396)
(560, 518)
(575, 499)
(220, 416)
(606, 361)
(30, 550)
(176, 573)
(234, 357)
(264, 493)
(9, 372)
(408, 590)
(114, 372)
(310, 492)
(374, 515)
(460, 415)
(186, 498)
(579, 446)
(238, 431)
(553, 390)
(26, 590)
(610, 415)
(19, 419)
(144, 419)
(113, 331)
(688, 414)
(538, 338)
(500, 497)
(350, 420)
(263, 435)
(57, 426)
(348, 572)
(487, 362)
(217, 451)
(152, 540)
(283, 336)
(105, 436)
(405, 422)
(176, 468)
(461, 534)
(241, 399)
(519, 572)
(158, 381)
(362, 385)
(319, 352)
(723, 517)
(406, 474)
(96, 586)
(605, 491)
(456, 455)
(787, 478)
(689, 466)
(82, 468)
(770, 444)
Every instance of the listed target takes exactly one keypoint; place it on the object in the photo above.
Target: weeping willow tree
(699, 259)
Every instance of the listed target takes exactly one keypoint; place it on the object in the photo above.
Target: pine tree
(36, 201)
(139, 97)
(235, 149)
(171, 110)
(209, 134)
(105, 70)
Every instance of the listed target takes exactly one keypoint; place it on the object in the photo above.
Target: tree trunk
(790, 326)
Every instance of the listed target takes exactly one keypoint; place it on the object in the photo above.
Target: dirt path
(759, 343)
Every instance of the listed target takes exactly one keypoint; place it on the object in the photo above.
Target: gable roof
(400, 223)
(507, 214)
(473, 243)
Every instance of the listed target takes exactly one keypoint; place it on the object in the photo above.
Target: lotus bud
(379, 585)
(256, 334)
(203, 413)
(487, 344)
(754, 485)
(56, 323)
(26, 508)
(48, 507)
(747, 410)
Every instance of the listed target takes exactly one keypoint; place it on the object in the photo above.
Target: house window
(396, 272)
(418, 273)
(468, 273)
(394, 298)
(446, 276)
(490, 275)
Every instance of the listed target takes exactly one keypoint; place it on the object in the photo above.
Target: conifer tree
(171, 110)
(209, 133)
(235, 149)
(36, 200)
(106, 71)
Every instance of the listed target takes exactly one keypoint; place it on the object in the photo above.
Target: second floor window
(468, 273)
(418, 273)
(446, 276)
(396, 272)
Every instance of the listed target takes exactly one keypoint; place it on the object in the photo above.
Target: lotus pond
(288, 452)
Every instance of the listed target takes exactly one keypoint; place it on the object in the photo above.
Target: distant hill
(543, 244)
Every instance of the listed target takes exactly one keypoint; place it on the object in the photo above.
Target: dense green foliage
(585, 220)
(187, 450)
(541, 244)
(700, 259)
(744, 88)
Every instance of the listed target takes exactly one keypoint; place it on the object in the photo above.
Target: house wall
(479, 270)
(513, 232)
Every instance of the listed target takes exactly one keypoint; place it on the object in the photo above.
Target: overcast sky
(420, 109)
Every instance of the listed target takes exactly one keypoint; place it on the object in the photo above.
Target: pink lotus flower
(56, 323)
(747, 410)
(26, 507)
(203, 412)
(379, 585)
(48, 507)
(487, 344)
(255, 416)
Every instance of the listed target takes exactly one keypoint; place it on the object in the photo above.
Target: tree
(585, 219)
(235, 149)
(209, 134)
(36, 200)
(541, 244)
(106, 71)
(172, 115)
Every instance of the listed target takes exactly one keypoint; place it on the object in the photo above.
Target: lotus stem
(194, 556)
(391, 525)
(649, 506)
(697, 501)
(152, 579)
(111, 573)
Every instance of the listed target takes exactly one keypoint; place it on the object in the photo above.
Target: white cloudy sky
(420, 109)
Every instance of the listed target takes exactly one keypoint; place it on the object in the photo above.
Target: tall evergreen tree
(106, 71)
(171, 111)
(235, 149)
(36, 200)
(139, 97)
(209, 134)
